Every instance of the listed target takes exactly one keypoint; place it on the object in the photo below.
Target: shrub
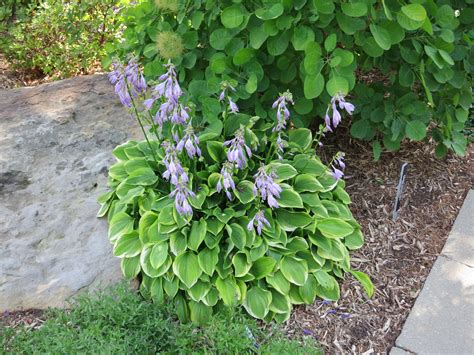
(118, 321)
(408, 65)
(227, 210)
(63, 38)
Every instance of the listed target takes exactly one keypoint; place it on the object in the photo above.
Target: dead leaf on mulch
(397, 255)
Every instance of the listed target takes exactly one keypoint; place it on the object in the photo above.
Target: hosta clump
(248, 216)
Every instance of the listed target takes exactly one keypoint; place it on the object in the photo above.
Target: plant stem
(137, 116)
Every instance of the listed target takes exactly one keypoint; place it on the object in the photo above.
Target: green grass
(119, 321)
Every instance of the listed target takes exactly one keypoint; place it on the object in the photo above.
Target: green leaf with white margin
(228, 290)
(216, 151)
(241, 264)
(237, 235)
(307, 182)
(120, 224)
(365, 281)
(142, 176)
(201, 194)
(244, 192)
(186, 267)
(355, 240)
(200, 313)
(283, 171)
(207, 259)
(128, 245)
(279, 282)
(199, 290)
(171, 287)
(197, 234)
(158, 255)
(156, 290)
(262, 267)
(308, 290)
(300, 138)
(257, 303)
(334, 228)
(294, 270)
(130, 267)
(280, 304)
(290, 198)
(289, 221)
(146, 264)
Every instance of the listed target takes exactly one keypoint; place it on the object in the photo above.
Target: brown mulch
(30, 318)
(397, 255)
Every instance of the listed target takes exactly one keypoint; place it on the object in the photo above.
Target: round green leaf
(268, 14)
(381, 36)
(232, 16)
(415, 12)
(207, 259)
(336, 85)
(354, 9)
(313, 86)
(415, 130)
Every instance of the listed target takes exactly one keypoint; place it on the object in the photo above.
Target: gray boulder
(55, 147)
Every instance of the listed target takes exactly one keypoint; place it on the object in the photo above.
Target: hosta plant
(243, 214)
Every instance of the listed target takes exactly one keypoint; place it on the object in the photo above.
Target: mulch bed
(397, 255)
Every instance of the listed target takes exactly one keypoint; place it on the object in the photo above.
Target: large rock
(55, 147)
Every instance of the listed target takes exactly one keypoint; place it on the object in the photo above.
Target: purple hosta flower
(338, 166)
(336, 115)
(265, 185)
(258, 220)
(238, 150)
(169, 90)
(135, 77)
(190, 142)
(232, 105)
(283, 114)
(174, 170)
(281, 144)
(181, 194)
(307, 332)
(225, 181)
(128, 81)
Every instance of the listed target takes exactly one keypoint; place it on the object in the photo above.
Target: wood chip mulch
(397, 255)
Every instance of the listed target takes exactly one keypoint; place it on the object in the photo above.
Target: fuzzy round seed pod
(169, 44)
(167, 5)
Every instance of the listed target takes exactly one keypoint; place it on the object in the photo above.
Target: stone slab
(398, 351)
(55, 147)
(460, 244)
(442, 319)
